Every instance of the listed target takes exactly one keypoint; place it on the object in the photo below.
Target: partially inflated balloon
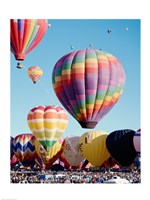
(120, 146)
(11, 147)
(71, 151)
(24, 149)
(85, 164)
(137, 141)
(14, 161)
(88, 83)
(47, 123)
(50, 157)
(35, 72)
(25, 35)
(93, 147)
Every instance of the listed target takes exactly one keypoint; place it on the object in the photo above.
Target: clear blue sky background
(125, 45)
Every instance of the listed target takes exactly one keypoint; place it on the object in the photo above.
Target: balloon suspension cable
(47, 91)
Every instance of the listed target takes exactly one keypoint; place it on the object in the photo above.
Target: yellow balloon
(93, 147)
(52, 155)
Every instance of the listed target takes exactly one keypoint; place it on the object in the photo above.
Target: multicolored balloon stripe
(47, 123)
(26, 34)
(24, 148)
(88, 83)
(35, 72)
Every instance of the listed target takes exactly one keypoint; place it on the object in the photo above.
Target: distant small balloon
(72, 47)
(126, 29)
(91, 45)
(35, 72)
(49, 25)
(109, 31)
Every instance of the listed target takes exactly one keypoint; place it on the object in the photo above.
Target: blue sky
(125, 45)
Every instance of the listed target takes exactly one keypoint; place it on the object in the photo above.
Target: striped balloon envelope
(24, 149)
(50, 157)
(47, 123)
(88, 83)
(35, 72)
(25, 35)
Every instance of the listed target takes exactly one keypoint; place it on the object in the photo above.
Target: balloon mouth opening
(20, 56)
(88, 124)
(20, 59)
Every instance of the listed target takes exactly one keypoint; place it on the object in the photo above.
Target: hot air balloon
(25, 35)
(11, 147)
(47, 123)
(14, 161)
(53, 155)
(93, 147)
(39, 162)
(120, 146)
(137, 140)
(88, 83)
(71, 154)
(85, 164)
(109, 31)
(90, 45)
(24, 149)
(35, 72)
(71, 47)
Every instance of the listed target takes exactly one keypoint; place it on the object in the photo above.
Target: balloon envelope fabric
(137, 141)
(47, 124)
(24, 149)
(88, 83)
(120, 146)
(11, 147)
(93, 147)
(50, 157)
(26, 34)
(71, 154)
(35, 72)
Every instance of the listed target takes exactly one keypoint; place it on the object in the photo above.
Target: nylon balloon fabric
(24, 149)
(88, 83)
(35, 72)
(93, 147)
(47, 124)
(53, 155)
(71, 154)
(120, 146)
(25, 35)
(137, 141)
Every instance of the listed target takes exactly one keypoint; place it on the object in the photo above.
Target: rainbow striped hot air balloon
(35, 72)
(47, 123)
(88, 83)
(26, 34)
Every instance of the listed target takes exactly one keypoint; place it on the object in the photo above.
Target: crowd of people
(74, 176)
